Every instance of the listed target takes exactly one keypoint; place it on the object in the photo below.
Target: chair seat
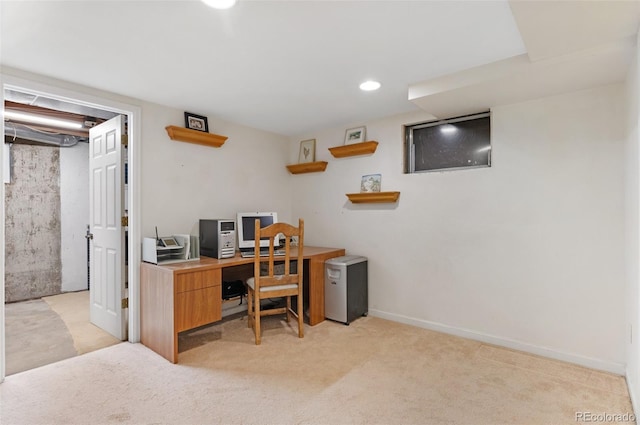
(251, 283)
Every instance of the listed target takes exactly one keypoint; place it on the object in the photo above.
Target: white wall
(184, 182)
(74, 217)
(632, 230)
(528, 253)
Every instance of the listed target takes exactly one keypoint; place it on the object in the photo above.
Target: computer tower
(346, 288)
(218, 238)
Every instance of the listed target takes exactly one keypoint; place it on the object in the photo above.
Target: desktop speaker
(217, 238)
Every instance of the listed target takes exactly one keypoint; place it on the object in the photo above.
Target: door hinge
(125, 303)
(124, 139)
(125, 221)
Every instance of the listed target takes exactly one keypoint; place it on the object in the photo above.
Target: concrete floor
(50, 329)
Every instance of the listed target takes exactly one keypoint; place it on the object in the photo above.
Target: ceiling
(293, 67)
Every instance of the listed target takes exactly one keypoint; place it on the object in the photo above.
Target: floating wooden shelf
(307, 167)
(182, 134)
(373, 197)
(354, 149)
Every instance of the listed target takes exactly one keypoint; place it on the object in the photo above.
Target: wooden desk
(182, 296)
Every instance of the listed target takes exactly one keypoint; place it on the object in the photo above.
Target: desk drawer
(198, 280)
(197, 308)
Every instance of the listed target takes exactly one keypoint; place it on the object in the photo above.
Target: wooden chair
(276, 285)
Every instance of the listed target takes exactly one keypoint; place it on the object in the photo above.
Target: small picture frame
(371, 183)
(355, 135)
(307, 151)
(196, 122)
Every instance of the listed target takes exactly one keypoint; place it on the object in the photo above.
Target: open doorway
(63, 297)
(46, 217)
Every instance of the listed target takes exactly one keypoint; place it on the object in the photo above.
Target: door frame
(102, 100)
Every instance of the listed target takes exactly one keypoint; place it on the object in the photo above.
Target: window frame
(409, 156)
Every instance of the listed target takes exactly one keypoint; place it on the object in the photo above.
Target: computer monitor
(246, 222)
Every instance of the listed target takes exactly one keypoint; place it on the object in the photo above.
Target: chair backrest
(287, 277)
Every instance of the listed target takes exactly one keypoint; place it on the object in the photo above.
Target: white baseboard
(618, 369)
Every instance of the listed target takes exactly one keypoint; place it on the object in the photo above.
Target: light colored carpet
(371, 372)
(39, 332)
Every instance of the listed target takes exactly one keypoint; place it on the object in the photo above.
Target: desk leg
(157, 330)
(316, 291)
(316, 286)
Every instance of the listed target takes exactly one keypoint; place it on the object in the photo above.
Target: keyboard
(265, 253)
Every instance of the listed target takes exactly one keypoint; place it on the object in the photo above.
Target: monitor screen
(246, 228)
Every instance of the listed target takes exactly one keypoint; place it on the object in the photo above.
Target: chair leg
(288, 309)
(256, 328)
(300, 317)
(249, 308)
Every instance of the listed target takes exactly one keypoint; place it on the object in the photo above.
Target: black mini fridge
(345, 288)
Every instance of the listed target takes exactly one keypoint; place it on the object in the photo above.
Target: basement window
(451, 144)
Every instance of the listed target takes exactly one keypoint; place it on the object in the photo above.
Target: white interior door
(107, 280)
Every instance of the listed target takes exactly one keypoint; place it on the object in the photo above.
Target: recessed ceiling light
(220, 4)
(370, 85)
